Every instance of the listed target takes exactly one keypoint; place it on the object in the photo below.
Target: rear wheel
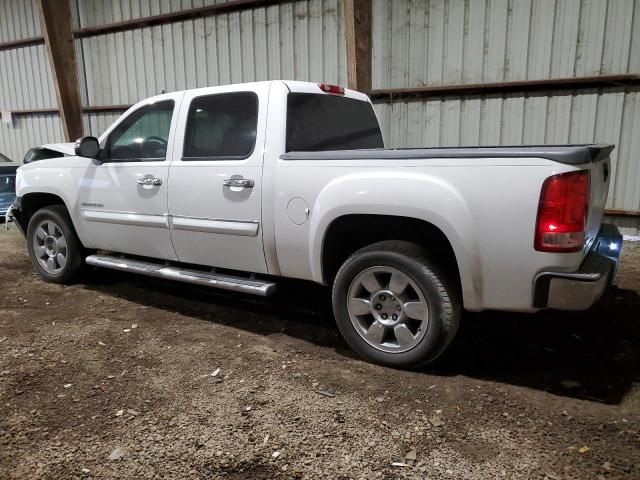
(394, 305)
(54, 247)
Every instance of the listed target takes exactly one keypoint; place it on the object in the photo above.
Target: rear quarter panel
(486, 207)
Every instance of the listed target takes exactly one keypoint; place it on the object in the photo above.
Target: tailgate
(600, 170)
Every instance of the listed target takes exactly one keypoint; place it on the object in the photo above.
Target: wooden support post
(358, 15)
(55, 19)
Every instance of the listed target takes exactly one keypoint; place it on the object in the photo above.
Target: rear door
(216, 177)
(123, 200)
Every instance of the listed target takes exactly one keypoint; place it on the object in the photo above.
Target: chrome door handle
(238, 182)
(149, 180)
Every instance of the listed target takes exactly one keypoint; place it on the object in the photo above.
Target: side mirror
(87, 147)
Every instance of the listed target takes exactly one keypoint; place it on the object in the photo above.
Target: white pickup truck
(236, 186)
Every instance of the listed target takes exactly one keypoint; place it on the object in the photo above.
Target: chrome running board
(208, 279)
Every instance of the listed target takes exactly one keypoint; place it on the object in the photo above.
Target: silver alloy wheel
(387, 309)
(50, 247)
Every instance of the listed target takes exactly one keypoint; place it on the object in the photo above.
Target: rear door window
(221, 127)
(317, 122)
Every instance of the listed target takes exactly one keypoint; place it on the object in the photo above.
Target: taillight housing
(562, 213)
(333, 89)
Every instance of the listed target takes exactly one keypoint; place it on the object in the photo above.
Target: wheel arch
(418, 201)
(31, 202)
(348, 233)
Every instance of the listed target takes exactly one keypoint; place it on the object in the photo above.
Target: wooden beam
(618, 212)
(85, 109)
(162, 19)
(55, 20)
(178, 16)
(358, 16)
(518, 86)
(22, 43)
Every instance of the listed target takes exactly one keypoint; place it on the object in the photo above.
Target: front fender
(58, 181)
(39, 180)
(402, 194)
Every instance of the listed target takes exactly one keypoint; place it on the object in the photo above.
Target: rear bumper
(580, 290)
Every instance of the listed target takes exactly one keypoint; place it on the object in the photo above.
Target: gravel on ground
(128, 377)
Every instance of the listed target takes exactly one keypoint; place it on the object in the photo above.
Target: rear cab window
(320, 122)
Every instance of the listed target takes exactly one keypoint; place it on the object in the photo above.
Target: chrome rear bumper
(580, 290)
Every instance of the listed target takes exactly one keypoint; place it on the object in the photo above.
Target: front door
(216, 178)
(123, 197)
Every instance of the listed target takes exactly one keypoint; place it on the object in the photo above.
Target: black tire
(74, 250)
(439, 289)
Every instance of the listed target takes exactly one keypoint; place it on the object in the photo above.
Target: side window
(142, 136)
(221, 126)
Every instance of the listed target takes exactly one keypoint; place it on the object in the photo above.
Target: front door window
(143, 136)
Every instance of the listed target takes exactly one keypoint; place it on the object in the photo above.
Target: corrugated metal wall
(25, 81)
(29, 131)
(302, 40)
(415, 43)
(102, 12)
(18, 20)
(27, 71)
(436, 42)
(440, 42)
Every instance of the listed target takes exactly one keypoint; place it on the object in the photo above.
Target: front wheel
(54, 247)
(394, 305)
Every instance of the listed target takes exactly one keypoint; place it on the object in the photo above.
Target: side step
(208, 279)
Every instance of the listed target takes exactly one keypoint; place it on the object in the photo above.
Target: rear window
(317, 122)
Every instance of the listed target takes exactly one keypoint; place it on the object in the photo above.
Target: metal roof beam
(358, 18)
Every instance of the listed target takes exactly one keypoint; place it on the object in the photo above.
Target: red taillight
(562, 213)
(335, 89)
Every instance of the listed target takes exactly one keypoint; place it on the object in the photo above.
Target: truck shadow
(592, 355)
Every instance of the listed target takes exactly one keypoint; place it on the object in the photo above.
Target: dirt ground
(127, 377)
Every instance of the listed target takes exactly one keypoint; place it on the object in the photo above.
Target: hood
(66, 148)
